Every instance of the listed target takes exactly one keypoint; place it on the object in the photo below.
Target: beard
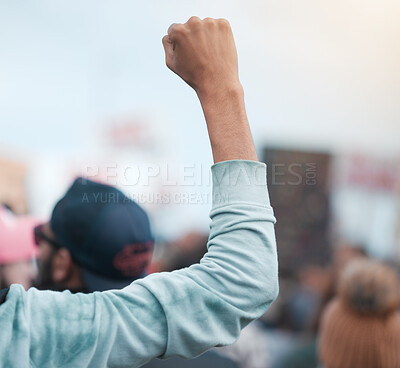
(44, 279)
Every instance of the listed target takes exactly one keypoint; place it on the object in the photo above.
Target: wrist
(220, 92)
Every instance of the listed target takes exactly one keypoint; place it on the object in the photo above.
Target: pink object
(16, 237)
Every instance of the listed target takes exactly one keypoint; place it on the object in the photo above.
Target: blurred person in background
(306, 301)
(17, 249)
(360, 328)
(100, 221)
(344, 253)
(97, 239)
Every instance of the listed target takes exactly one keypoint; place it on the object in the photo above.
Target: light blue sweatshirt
(183, 312)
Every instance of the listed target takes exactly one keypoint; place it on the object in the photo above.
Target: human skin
(203, 54)
(56, 268)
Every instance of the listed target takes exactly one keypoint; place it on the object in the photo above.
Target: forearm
(227, 123)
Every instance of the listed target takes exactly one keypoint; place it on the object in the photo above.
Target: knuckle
(178, 29)
(194, 23)
(223, 23)
(194, 19)
(210, 22)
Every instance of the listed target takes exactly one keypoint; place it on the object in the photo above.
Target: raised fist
(202, 53)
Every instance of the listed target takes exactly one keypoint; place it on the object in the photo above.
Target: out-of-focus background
(84, 84)
(84, 90)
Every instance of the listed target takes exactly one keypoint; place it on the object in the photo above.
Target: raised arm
(188, 311)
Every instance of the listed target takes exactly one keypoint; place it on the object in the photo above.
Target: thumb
(169, 50)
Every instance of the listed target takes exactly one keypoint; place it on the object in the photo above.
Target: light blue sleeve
(184, 312)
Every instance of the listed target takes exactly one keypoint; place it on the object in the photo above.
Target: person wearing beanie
(97, 239)
(361, 327)
(184, 312)
(17, 249)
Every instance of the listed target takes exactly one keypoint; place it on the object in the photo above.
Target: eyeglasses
(40, 236)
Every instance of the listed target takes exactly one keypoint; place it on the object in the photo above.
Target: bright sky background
(321, 75)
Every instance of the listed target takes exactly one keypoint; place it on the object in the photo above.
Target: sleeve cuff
(239, 181)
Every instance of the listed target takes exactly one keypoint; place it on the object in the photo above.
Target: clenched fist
(203, 53)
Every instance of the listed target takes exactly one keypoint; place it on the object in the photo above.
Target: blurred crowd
(340, 313)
